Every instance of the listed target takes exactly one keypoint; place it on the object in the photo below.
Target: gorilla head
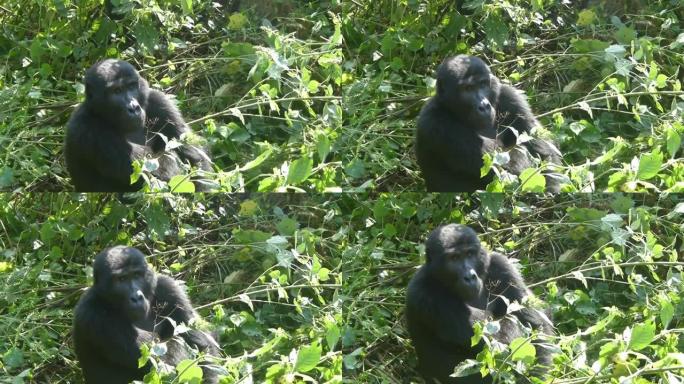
(115, 92)
(122, 279)
(456, 260)
(466, 86)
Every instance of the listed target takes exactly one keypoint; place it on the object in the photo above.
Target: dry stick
(576, 105)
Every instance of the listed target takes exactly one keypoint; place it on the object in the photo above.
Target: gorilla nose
(484, 106)
(470, 277)
(137, 297)
(134, 108)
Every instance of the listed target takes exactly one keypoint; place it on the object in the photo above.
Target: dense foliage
(605, 77)
(265, 274)
(261, 85)
(608, 267)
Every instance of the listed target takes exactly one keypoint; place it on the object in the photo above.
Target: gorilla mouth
(138, 312)
(468, 292)
(135, 123)
(483, 121)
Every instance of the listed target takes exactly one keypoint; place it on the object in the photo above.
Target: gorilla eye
(120, 279)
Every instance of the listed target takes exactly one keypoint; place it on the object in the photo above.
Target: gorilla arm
(176, 305)
(513, 111)
(504, 280)
(165, 118)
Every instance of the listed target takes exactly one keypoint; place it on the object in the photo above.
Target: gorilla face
(115, 92)
(466, 87)
(457, 260)
(123, 279)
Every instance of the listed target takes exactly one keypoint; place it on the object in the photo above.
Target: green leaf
(249, 236)
(487, 162)
(189, 372)
(673, 140)
(313, 86)
(308, 358)
(666, 311)
(586, 17)
(187, 6)
(144, 355)
(6, 177)
(642, 335)
(259, 159)
(181, 184)
(248, 208)
(522, 350)
(332, 334)
(532, 181)
(625, 35)
(13, 358)
(322, 146)
(287, 226)
(649, 165)
(299, 170)
(355, 169)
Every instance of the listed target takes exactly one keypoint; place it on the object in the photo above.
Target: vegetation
(261, 85)
(265, 274)
(606, 266)
(264, 86)
(605, 78)
(322, 96)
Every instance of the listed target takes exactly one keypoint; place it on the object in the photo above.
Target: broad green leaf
(259, 159)
(322, 146)
(586, 17)
(189, 372)
(299, 170)
(532, 181)
(248, 208)
(181, 184)
(673, 140)
(187, 6)
(332, 334)
(522, 350)
(642, 336)
(666, 311)
(287, 226)
(308, 358)
(487, 162)
(649, 165)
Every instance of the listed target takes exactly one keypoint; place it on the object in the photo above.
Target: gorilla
(472, 114)
(122, 120)
(460, 284)
(128, 305)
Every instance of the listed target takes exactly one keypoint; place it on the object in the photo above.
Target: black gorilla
(460, 284)
(121, 120)
(473, 113)
(129, 305)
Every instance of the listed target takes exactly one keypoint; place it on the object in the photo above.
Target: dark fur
(110, 326)
(460, 284)
(472, 114)
(111, 129)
